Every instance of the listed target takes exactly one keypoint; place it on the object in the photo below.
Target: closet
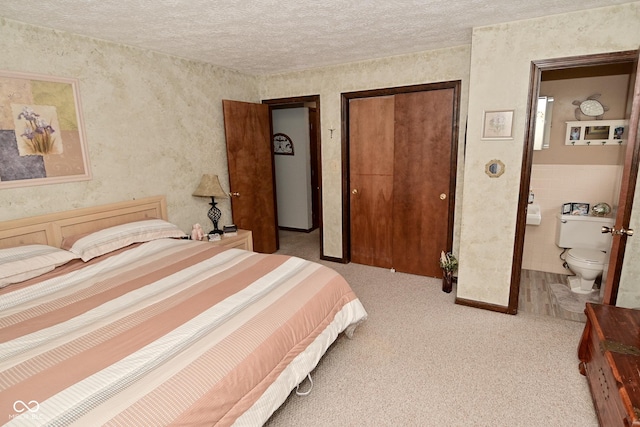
(402, 167)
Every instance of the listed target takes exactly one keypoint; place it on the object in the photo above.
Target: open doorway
(574, 171)
(295, 124)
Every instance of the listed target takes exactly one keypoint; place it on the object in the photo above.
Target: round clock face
(282, 144)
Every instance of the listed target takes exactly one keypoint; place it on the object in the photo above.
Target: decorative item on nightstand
(210, 187)
(230, 230)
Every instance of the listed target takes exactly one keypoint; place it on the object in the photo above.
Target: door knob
(354, 191)
(234, 194)
(615, 232)
(443, 196)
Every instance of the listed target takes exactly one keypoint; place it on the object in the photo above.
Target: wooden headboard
(50, 229)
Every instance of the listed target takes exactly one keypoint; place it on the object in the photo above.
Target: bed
(155, 329)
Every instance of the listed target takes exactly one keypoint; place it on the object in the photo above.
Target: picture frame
(597, 133)
(581, 209)
(498, 124)
(42, 139)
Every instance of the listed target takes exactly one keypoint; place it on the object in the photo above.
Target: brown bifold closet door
(421, 180)
(371, 134)
(400, 165)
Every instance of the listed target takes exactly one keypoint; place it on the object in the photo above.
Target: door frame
(537, 67)
(315, 147)
(346, 199)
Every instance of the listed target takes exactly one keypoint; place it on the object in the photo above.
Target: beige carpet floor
(421, 360)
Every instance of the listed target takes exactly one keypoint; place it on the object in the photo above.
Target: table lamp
(210, 187)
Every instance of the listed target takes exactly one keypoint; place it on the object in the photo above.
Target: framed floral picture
(498, 125)
(41, 131)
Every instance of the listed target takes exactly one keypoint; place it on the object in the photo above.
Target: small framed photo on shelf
(579, 208)
(498, 125)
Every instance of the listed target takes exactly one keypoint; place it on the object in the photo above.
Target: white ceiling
(272, 36)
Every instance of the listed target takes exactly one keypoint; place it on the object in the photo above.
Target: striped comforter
(170, 332)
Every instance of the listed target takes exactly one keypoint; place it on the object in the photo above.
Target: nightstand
(243, 240)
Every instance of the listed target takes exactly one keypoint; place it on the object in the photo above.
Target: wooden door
(251, 173)
(371, 133)
(402, 178)
(314, 129)
(422, 180)
(627, 190)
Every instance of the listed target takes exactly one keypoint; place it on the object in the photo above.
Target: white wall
(293, 173)
(153, 122)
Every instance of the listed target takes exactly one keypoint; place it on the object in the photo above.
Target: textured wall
(153, 122)
(500, 69)
(330, 82)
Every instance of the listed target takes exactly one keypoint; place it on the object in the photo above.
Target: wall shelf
(597, 132)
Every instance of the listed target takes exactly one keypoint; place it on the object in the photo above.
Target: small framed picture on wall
(498, 125)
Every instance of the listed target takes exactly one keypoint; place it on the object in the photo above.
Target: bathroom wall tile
(554, 185)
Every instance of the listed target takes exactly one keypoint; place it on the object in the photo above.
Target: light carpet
(422, 360)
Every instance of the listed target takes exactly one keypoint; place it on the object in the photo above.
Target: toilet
(587, 256)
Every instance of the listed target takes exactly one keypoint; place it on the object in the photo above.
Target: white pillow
(25, 262)
(113, 238)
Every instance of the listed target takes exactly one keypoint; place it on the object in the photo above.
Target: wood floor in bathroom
(536, 296)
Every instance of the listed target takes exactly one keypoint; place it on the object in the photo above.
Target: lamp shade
(210, 187)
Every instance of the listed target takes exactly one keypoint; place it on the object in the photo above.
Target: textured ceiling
(272, 36)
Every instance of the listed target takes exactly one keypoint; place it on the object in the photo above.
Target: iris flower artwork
(42, 138)
(38, 137)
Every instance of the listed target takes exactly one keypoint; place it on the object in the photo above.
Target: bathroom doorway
(567, 173)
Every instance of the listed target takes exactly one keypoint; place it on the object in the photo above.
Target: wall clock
(282, 144)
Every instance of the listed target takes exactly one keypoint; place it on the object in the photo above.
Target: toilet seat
(589, 257)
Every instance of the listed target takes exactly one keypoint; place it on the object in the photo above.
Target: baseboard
(333, 259)
(300, 230)
(484, 306)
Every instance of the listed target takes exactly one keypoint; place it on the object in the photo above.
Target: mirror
(494, 168)
(544, 114)
(596, 132)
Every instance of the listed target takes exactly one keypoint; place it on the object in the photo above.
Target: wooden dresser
(609, 354)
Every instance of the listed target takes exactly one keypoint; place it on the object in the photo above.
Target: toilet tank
(583, 232)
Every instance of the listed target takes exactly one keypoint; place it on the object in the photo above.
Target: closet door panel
(422, 167)
(371, 148)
